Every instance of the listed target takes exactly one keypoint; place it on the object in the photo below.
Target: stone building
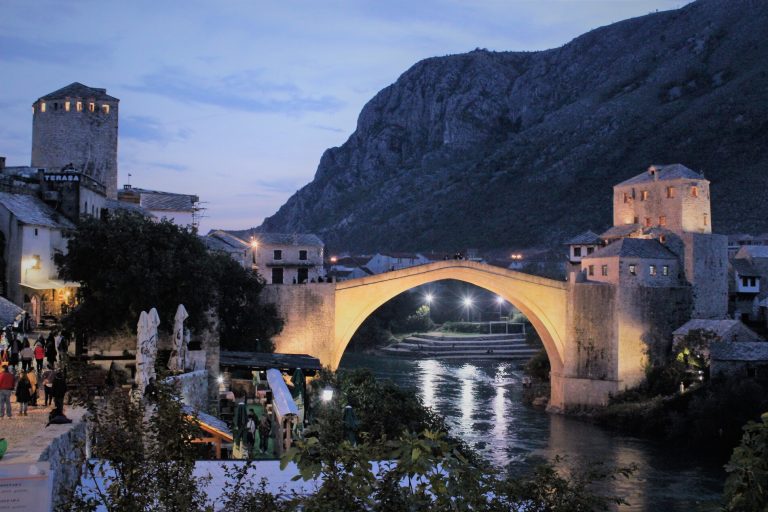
(748, 284)
(283, 258)
(226, 243)
(181, 209)
(671, 204)
(582, 245)
(77, 126)
(32, 234)
(633, 262)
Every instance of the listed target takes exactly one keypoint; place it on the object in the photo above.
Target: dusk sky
(235, 101)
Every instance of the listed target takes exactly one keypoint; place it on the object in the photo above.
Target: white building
(181, 209)
(31, 233)
(386, 262)
(288, 258)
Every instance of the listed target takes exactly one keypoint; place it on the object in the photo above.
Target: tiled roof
(209, 420)
(216, 244)
(403, 255)
(721, 328)
(8, 312)
(305, 239)
(620, 231)
(31, 210)
(739, 351)
(634, 248)
(78, 90)
(663, 172)
(229, 239)
(585, 238)
(114, 204)
(752, 251)
(166, 201)
(235, 359)
(744, 268)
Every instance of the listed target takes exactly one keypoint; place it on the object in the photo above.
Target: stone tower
(77, 125)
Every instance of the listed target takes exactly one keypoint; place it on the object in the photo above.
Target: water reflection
(482, 404)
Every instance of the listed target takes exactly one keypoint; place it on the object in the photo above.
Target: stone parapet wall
(193, 388)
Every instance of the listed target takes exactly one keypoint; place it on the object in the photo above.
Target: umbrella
(350, 424)
(179, 356)
(3, 447)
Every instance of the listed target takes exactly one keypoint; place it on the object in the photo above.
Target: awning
(281, 397)
(50, 284)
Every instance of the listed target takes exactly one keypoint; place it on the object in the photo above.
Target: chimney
(2, 164)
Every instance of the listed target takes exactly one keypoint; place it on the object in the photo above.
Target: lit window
(706, 219)
(663, 220)
(36, 262)
(591, 270)
(662, 239)
(633, 269)
(79, 106)
(647, 222)
(643, 195)
(694, 191)
(665, 270)
(652, 269)
(278, 254)
(626, 197)
(66, 106)
(91, 107)
(604, 270)
(670, 192)
(105, 109)
(42, 106)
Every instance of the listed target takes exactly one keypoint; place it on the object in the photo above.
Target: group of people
(263, 427)
(18, 375)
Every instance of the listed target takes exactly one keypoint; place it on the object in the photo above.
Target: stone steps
(506, 346)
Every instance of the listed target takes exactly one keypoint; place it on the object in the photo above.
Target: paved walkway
(19, 428)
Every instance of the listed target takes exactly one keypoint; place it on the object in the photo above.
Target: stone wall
(706, 268)
(193, 388)
(308, 311)
(64, 454)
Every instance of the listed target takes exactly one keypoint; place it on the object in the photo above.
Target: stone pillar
(211, 344)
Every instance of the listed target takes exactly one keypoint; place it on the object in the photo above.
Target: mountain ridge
(498, 149)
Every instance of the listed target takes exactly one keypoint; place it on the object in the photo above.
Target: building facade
(181, 209)
(77, 126)
(288, 258)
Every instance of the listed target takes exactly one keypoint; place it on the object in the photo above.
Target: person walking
(27, 354)
(23, 393)
(59, 390)
(7, 382)
(250, 428)
(48, 385)
(33, 380)
(265, 427)
(50, 349)
(15, 348)
(39, 354)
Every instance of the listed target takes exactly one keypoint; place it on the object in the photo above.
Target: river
(482, 403)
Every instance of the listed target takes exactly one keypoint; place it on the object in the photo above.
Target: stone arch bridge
(592, 332)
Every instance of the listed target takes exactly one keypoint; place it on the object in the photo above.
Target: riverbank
(445, 345)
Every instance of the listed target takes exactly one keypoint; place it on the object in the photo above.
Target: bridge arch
(541, 300)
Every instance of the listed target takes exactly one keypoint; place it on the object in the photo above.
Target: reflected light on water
(428, 374)
(501, 422)
(467, 374)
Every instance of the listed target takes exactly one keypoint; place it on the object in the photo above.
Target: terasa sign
(62, 177)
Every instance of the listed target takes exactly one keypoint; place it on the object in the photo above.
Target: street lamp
(467, 301)
(428, 298)
(327, 395)
(500, 302)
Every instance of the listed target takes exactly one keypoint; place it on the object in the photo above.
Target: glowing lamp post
(326, 395)
(467, 301)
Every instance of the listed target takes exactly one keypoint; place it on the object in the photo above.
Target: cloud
(242, 91)
(15, 48)
(150, 129)
(327, 128)
(279, 185)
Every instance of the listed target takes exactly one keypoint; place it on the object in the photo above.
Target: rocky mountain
(504, 149)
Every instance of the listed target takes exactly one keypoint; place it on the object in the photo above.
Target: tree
(746, 488)
(127, 263)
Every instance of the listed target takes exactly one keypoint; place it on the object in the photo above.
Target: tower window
(663, 220)
(665, 270)
(643, 195)
(706, 219)
(670, 192)
(694, 191)
(91, 107)
(604, 270)
(42, 106)
(636, 220)
(626, 197)
(79, 106)
(633, 269)
(652, 270)
(647, 222)
(105, 109)
(66, 106)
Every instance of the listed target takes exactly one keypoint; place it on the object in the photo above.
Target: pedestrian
(50, 349)
(23, 393)
(27, 354)
(250, 428)
(59, 390)
(7, 382)
(265, 427)
(39, 354)
(15, 345)
(33, 380)
(48, 385)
